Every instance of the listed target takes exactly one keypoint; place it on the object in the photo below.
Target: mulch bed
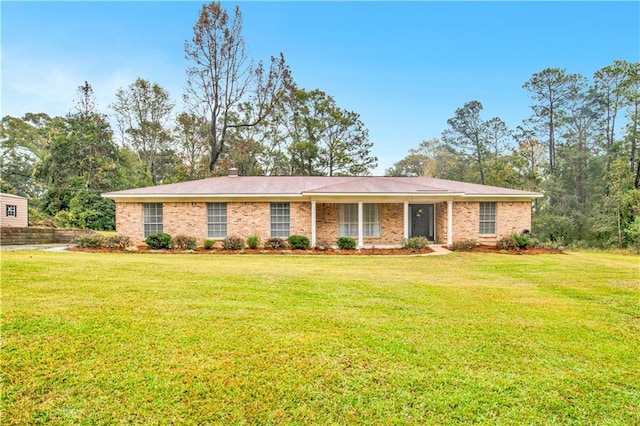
(328, 252)
(482, 248)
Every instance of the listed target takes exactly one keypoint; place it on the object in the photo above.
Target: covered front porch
(381, 223)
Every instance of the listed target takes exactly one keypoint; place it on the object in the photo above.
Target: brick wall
(391, 226)
(188, 218)
(441, 223)
(244, 219)
(510, 217)
(129, 221)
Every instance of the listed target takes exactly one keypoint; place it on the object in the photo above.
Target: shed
(14, 211)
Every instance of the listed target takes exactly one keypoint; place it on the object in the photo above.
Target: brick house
(375, 211)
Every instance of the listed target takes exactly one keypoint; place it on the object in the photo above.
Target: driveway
(45, 247)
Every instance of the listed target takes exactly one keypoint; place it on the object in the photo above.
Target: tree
(23, 143)
(80, 163)
(327, 139)
(192, 135)
(550, 88)
(471, 137)
(221, 77)
(532, 153)
(143, 111)
(631, 93)
(608, 89)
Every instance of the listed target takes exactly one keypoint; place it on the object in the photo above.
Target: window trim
(212, 223)
(148, 226)
(280, 217)
(487, 218)
(11, 210)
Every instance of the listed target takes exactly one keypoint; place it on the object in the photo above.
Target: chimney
(233, 172)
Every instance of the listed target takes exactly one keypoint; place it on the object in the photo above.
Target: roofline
(382, 194)
(4, 194)
(311, 195)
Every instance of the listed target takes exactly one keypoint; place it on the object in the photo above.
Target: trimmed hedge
(159, 240)
(185, 242)
(346, 243)
(233, 243)
(275, 244)
(299, 242)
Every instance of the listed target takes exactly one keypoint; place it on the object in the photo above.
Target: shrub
(89, 241)
(346, 243)
(233, 243)
(507, 243)
(208, 244)
(513, 242)
(299, 242)
(185, 242)
(117, 241)
(159, 240)
(463, 245)
(522, 241)
(415, 243)
(253, 241)
(275, 244)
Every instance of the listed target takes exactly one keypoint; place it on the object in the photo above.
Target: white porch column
(449, 222)
(360, 225)
(406, 220)
(313, 223)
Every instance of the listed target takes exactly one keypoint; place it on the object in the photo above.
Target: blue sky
(403, 66)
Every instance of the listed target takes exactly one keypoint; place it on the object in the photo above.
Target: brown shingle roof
(238, 186)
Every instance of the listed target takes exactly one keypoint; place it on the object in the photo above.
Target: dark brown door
(422, 221)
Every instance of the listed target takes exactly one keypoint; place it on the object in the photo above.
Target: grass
(191, 339)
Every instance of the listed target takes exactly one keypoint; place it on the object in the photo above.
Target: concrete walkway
(438, 250)
(44, 247)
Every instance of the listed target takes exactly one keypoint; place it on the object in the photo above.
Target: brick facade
(247, 218)
(391, 224)
(511, 216)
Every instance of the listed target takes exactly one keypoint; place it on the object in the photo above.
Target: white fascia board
(381, 194)
(471, 197)
(196, 197)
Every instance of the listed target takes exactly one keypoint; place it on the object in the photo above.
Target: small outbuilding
(14, 211)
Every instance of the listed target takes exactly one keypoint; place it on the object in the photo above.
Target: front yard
(93, 338)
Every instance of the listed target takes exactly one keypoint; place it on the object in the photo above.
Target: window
(151, 218)
(12, 210)
(487, 218)
(280, 220)
(348, 220)
(371, 220)
(217, 220)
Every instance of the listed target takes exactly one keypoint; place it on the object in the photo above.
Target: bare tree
(222, 77)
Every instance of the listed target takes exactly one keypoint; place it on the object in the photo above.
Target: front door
(422, 221)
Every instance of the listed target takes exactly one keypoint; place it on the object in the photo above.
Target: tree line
(580, 147)
(237, 113)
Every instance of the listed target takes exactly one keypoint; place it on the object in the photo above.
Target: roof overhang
(322, 197)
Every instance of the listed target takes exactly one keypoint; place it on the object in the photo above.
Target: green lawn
(207, 339)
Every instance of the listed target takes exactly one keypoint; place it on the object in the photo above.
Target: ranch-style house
(375, 211)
